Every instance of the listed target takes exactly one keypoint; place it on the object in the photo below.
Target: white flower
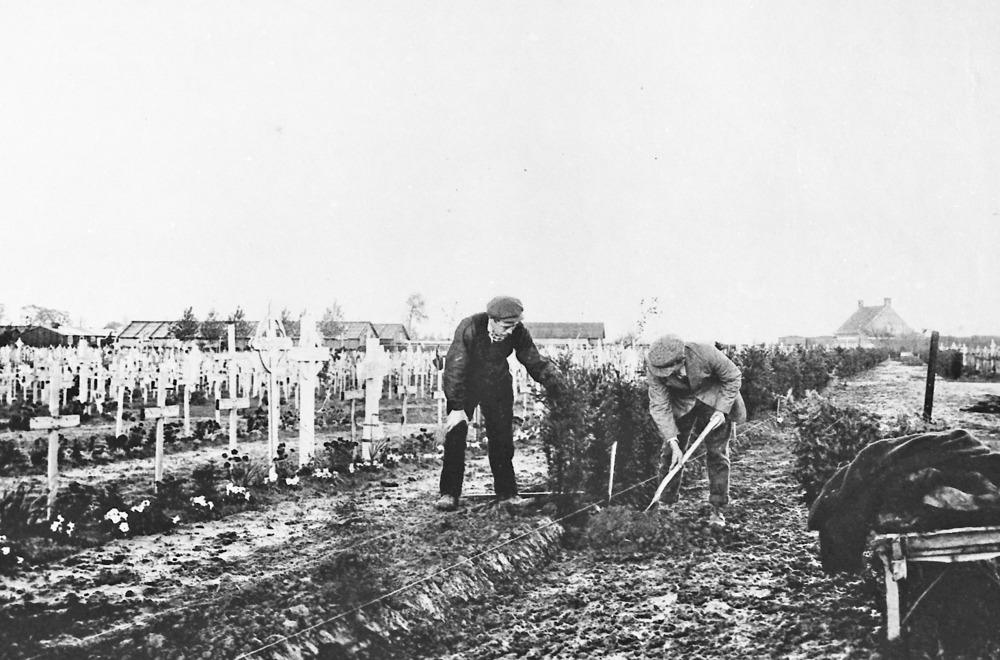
(20, 560)
(272, 475)
(175, 519)
(55, 525)
(123, 527)
(292, 481)
(5, 550)
(350, 468)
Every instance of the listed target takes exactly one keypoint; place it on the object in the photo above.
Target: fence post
(931, 364)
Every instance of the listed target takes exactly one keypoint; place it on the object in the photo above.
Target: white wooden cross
(272, 345)
(233, 403)
(190, 376)
(161, 412)
(52, 424)
(120, 375)
(310, 356)
(375, 369)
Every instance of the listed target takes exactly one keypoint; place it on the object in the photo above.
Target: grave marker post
(310, 356)
(52, 424)
(272, 345)
(160, 413)
(375, 369)
(233, 403)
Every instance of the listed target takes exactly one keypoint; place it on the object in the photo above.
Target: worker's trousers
(498, 413)
(716, 455)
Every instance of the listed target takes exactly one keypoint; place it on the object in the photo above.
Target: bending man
(691, 384)
(476, 373)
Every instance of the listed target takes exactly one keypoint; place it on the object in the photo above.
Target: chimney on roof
(861, 303)
(888, 302)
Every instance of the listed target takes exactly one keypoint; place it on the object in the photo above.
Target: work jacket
(476, 367)
(712, 378)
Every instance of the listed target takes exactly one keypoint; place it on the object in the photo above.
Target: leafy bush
(11, 455)
(242, 470)
(597, 408)
(21, 509)
(829, 437)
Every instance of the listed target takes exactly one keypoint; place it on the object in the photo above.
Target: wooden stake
(931, 373)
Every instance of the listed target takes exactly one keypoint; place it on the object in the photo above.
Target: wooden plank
(439, 395)
(49, 423)
(232, 404)
(271, 343)
(161, 412)
(309, 354)
(349, 395)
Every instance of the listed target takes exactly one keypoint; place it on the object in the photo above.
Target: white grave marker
(190, 374)
(272, 345)
(52, 424)
(375, 369)
(233, 403)
(310, 356)
(161, 412)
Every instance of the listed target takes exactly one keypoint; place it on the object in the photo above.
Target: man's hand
(675, 453)
(455, 417)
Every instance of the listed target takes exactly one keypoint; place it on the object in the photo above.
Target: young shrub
(758, 390)
(11, 455)
(21, 509)
(828, 437)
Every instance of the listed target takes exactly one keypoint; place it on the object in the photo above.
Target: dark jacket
(848, 506)
(476, 367)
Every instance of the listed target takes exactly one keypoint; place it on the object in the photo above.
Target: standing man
(690, 385)
(476, 373)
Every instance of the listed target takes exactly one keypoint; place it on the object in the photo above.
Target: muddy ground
(369, 569)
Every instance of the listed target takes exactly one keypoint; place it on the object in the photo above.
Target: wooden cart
(946, 546)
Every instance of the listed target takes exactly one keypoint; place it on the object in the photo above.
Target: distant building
(155, 334)
(566, 334)
(869, 324)
(351, 335)
(64, 335)
(392, 334)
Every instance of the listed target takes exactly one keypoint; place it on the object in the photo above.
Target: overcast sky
(756, 167)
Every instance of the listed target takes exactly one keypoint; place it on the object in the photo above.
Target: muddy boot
(446, 503)
(716, 519)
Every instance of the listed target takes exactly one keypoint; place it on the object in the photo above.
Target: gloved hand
(675, 453)
(455, 417)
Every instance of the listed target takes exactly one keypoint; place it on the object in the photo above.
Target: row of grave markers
(271, 348)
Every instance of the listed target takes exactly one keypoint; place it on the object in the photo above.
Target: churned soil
(635, 587)
(370, 570)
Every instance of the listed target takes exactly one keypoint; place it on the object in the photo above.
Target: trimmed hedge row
(601, 406)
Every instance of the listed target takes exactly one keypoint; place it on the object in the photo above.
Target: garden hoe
(684, 459)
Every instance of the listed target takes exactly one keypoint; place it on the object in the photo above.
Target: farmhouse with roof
(566, 334)
(867, 324)
(392, 334)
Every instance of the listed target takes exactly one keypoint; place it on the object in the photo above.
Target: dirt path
(677, 589)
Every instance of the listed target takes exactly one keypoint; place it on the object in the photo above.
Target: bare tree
(333, 320)
(416, 311)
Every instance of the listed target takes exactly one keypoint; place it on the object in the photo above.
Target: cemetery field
(359, 565)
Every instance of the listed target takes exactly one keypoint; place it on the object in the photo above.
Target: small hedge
(601, 406)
